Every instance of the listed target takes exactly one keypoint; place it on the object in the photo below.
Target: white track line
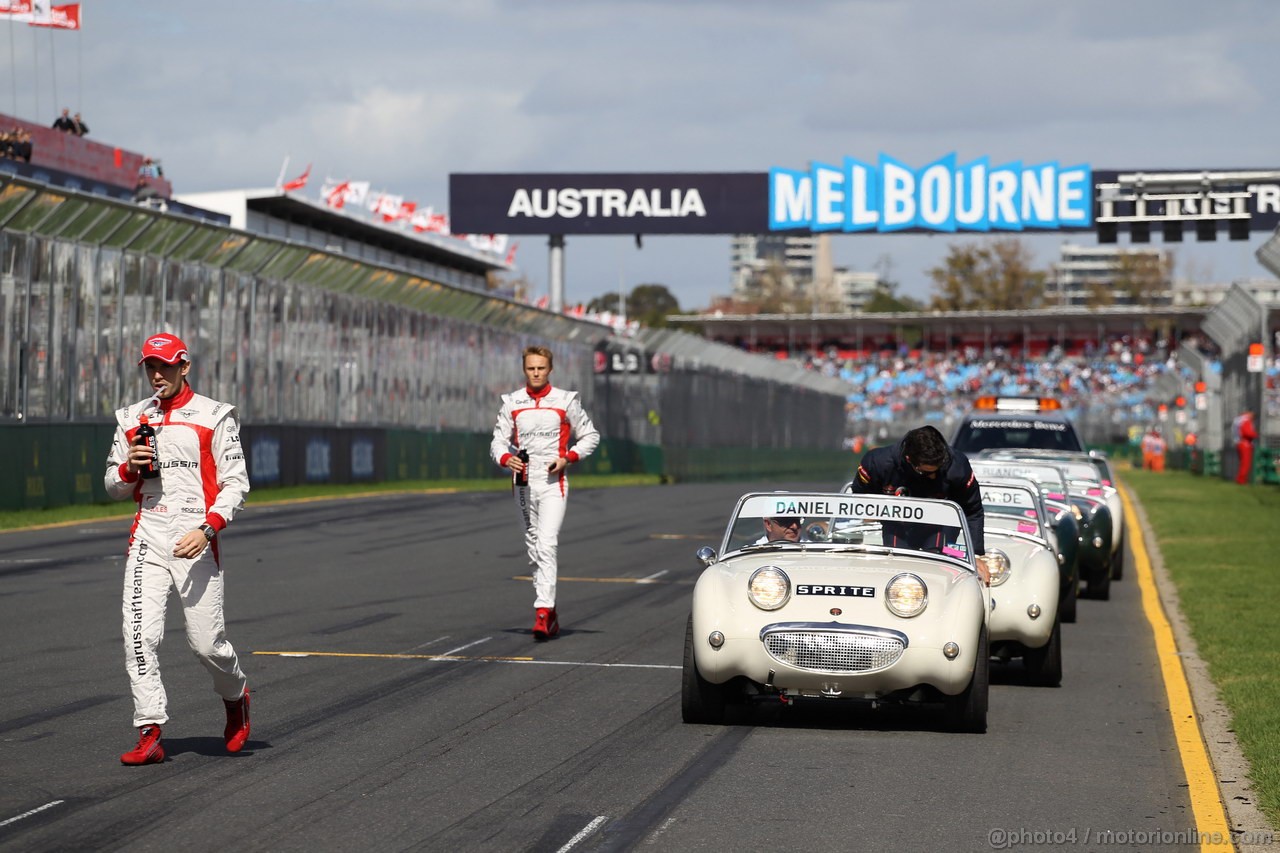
(585, 831)
(39, 809)
(650, 578)
(467, 646)
(427, 643)
(465, 659)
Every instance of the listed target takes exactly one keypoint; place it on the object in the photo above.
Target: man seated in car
(781, 529)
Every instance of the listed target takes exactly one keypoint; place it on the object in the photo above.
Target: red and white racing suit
(203, 480)
(543, 422)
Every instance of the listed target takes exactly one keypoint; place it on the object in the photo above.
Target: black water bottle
(522, 477)
(148, 434)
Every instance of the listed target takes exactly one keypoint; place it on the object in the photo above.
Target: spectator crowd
(68, 123)
(1109, 391)
(16, 145)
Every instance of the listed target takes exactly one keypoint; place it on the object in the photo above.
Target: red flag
(61, 17)
(20, 10)
(298, 182)
(405, 212)
(336, 196)
(511, 254)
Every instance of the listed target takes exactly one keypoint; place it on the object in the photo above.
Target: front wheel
(967, 712)
(1044, 665)
(1099, 586)
(700, 700)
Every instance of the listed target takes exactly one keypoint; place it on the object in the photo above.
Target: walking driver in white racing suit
(541, 420)
(201, 486)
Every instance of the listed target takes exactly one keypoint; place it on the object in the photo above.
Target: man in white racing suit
(201, 485)
(542, 421)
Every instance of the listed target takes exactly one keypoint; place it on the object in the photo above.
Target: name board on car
(876, 507)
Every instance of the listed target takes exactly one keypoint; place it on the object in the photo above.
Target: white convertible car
(839, 597)
(1025, 579)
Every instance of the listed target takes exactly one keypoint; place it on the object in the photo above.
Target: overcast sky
(404, 92)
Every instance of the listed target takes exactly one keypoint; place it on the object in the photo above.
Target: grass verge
(1220, 541)
(87, 512)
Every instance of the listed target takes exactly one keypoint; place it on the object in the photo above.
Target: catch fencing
(360, 370)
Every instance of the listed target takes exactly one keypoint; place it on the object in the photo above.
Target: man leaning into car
(923, 465)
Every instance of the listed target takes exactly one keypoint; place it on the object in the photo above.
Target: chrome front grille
(834, 651)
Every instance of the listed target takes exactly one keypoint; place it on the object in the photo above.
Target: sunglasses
(784, 522)
(923, 473)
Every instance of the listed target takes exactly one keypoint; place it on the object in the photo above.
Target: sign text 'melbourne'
(941, 196)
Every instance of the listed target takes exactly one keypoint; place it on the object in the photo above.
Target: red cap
(168, 348)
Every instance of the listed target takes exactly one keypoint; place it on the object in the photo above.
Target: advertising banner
(882, 195)
(658, 203)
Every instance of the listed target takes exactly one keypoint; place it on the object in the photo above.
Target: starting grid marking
(650, 579)
(466, 659)
(28, 814)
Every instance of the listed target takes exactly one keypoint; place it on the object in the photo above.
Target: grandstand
(75, 162)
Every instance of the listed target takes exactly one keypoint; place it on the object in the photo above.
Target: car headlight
(906, 595)
(769, 588)
(998, 566)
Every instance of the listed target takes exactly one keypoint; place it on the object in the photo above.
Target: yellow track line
(1202, 786)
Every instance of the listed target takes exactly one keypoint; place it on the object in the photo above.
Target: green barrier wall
(829, 466)
(51, 465)
(413, 455)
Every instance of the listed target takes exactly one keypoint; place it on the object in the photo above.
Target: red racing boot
(148, 750)
(237, 730)
(545, 623)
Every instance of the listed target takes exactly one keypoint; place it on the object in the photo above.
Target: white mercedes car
(1025, 579)
(833, 597)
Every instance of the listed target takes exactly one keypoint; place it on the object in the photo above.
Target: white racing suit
(203, 480)
(543, 423)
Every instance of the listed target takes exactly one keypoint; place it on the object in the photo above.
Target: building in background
(755, 257)
(1108, 275)
(1191, 294)
(799, 268)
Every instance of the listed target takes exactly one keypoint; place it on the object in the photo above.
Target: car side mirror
(707, 556)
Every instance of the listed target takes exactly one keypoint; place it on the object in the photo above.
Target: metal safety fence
(302, 338)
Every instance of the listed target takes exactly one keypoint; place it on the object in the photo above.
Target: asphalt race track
(363, 739)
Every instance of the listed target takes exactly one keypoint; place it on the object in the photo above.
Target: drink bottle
(522, 477)
(148, 434)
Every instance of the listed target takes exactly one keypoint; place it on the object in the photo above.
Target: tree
(650, 304)
(886, 301)
(991, 276)
(1144, 277)
(610, 302)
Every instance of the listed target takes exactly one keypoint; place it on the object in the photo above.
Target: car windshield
(1011, 507)
(1081, 472)
(999, 431)
(1048, 477)
(787, 520)
(1076, 468)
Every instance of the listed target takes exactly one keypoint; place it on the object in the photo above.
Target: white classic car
(1025, 579)
(833, 597)
(1092, 472)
